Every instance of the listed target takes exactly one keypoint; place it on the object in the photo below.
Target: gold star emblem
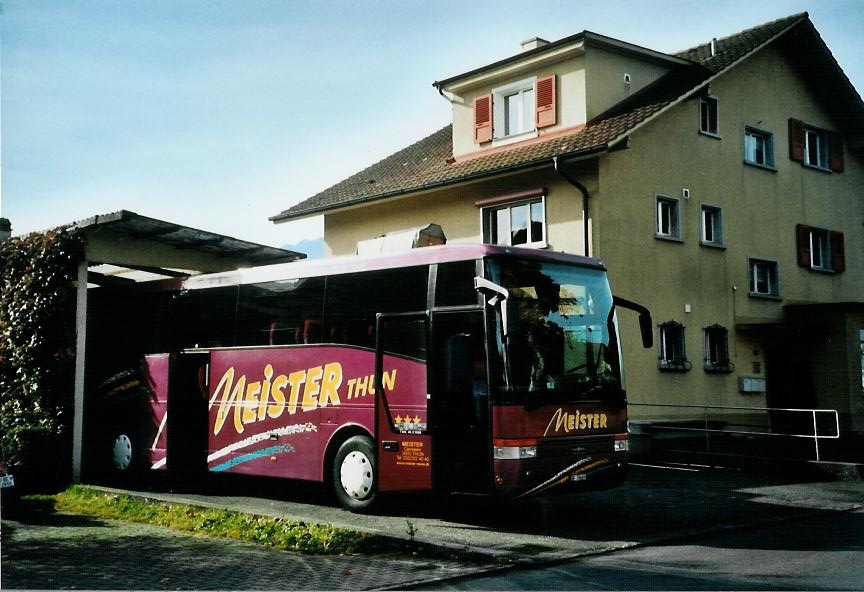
(398, 419)
(416, 419)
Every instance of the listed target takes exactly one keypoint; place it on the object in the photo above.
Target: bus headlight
(515, 452)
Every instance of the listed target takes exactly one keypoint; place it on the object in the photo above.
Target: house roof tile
(428, 163)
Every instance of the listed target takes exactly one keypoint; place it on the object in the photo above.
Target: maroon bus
(459, 368)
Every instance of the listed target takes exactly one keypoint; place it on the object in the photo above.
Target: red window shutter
(796, 140)
(483, 119)
(835, 143)
(838, 256)
(544, 97)
(802, 233)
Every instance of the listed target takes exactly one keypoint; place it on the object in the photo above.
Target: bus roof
(357, 263)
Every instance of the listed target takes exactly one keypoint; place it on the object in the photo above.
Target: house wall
(760, 211)
(460, 219)
(604, 78)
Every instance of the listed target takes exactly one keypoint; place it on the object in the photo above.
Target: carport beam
(80, 354)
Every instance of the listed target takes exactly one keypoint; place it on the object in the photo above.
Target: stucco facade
(800, 344)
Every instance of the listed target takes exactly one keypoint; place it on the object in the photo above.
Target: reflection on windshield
(560, 336)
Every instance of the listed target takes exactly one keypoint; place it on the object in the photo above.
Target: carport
(124, 247)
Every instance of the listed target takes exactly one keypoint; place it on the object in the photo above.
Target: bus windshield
(560, 337)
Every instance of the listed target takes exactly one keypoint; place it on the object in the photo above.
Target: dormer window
(513, 109)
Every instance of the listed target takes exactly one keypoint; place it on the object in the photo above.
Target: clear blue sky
(219, 114)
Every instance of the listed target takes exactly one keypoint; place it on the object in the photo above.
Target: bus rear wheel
(354, 475)
(127, 455)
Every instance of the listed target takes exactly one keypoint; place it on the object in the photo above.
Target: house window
(712, 226)
(513, 109)
(673, 356)
(764, 282)
(820, 249)
(816, 147)
(667, 217)
(717, 349)
(516, 224)
(861, 346)
(708, 116)
(758, 147)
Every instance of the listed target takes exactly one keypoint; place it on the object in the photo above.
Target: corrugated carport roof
(183, 237)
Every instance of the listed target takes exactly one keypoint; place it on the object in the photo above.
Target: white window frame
(707, 101)
(773, 267)
(861, 347)
(489, 215)
(823, 155)
(767, 138)
(499, 112)
(814, 234)
(712, 334)
(716, 241)
(674, 232)
(668, 362)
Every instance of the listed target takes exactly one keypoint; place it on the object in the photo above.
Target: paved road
(656, 505)
(65, 551)
(822, 553)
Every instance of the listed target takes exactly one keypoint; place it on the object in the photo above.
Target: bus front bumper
(524, 477)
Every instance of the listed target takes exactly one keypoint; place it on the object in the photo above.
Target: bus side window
(354, 299)
(455, 284)
(283, 312)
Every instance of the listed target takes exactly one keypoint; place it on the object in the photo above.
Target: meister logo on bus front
(308, 389)
(566, 422)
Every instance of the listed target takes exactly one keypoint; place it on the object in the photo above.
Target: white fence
(727, 410)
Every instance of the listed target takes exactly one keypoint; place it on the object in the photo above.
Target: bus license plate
(579, 477)
(7, 481)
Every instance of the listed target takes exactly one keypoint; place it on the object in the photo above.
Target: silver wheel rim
(355, 474)
(122, 452)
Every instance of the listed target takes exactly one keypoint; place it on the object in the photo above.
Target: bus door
(187, 415)
(459, 393)
(401, 403)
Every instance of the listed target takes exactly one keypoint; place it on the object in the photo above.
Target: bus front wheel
(127, 457)
(354, 478)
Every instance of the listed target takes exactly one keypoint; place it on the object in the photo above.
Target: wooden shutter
(483, 119)
(544, 98)
(796, 140)
(802, 234)
(835, 144)
(838, 257)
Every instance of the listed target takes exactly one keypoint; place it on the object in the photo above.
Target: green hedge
(37, 347)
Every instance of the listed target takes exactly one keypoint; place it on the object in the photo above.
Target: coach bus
(458, 368)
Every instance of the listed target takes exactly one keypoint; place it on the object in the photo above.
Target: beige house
(722, 187)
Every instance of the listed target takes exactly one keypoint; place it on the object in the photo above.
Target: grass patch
(292, 535)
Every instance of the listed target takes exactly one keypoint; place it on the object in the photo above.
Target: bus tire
(126, 454)
(354, 474)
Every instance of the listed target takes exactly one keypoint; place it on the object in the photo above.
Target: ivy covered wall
(37, 348)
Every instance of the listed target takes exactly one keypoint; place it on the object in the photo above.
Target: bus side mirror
(646, 325)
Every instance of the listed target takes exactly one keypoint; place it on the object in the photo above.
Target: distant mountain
(314, 248)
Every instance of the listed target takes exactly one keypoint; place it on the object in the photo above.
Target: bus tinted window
(282, 312)
(353, 299)
(206, 318)
(455, 284)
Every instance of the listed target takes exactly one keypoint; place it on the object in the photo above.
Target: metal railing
(815, 436)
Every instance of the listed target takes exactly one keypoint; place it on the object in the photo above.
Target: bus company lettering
(566, 422)
(304, 389)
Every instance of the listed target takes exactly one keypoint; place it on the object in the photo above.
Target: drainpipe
(441, 92)
(567, 177)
